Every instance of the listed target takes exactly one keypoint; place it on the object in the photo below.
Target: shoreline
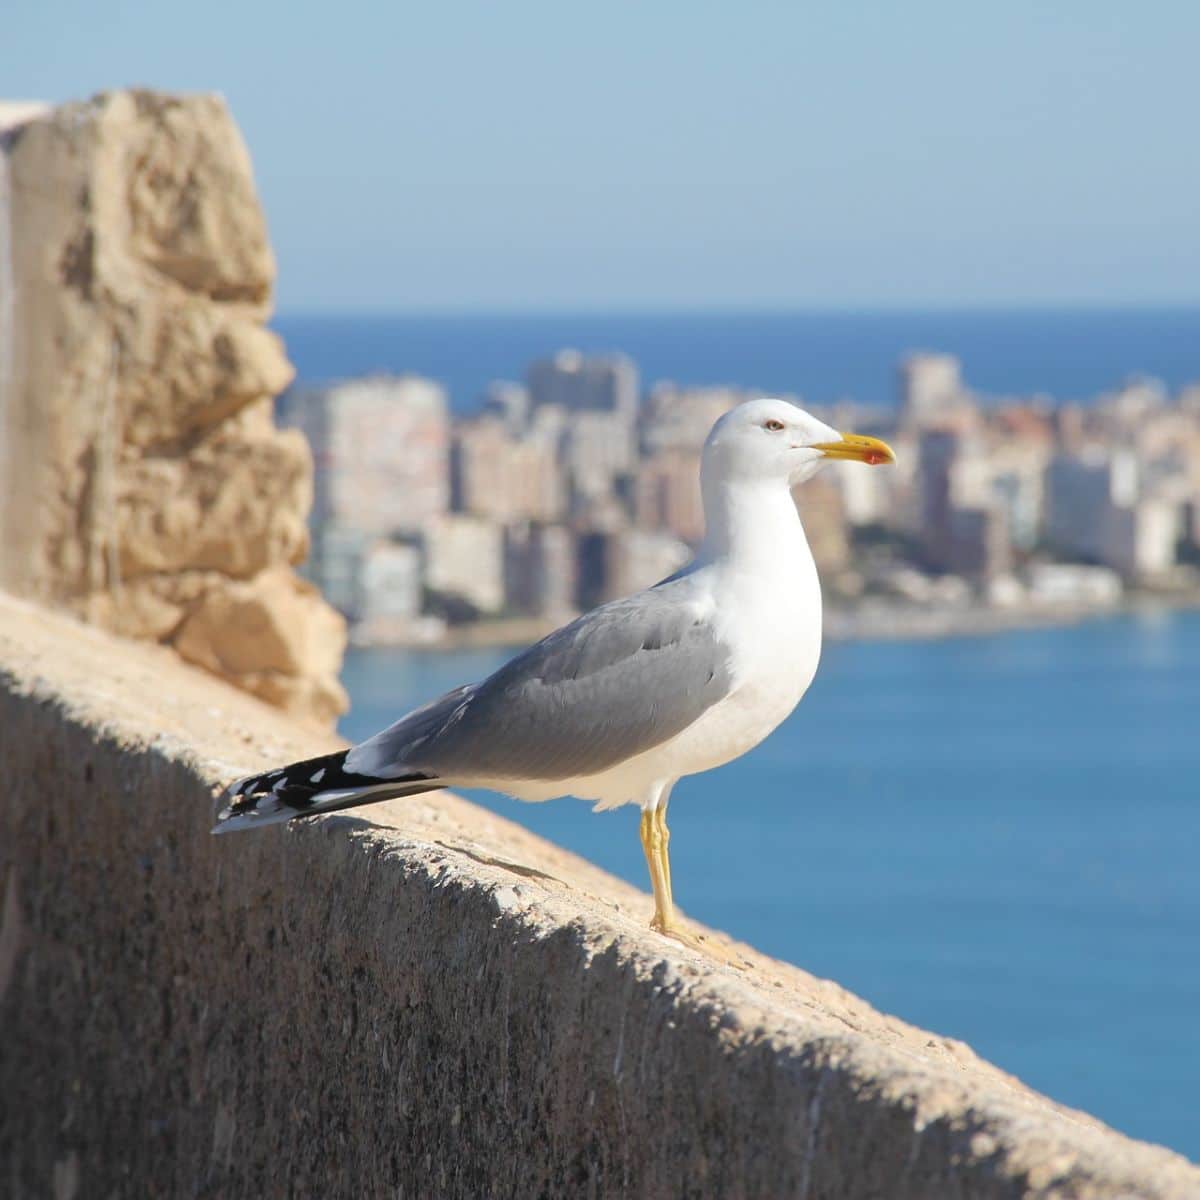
(882, 621)
(912, 623)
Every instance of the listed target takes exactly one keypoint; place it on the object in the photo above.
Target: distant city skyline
(575, 487)
(531, 157)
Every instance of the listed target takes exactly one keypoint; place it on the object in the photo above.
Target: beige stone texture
(272, 636)
(420, 999)
(189, 366)
(233, 504)
(137, 440)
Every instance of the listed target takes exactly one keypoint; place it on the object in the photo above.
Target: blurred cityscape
(575, 487)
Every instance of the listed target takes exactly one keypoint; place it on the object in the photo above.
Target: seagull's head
(774, 439)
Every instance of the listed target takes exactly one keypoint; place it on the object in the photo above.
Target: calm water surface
(995, 838)
(1070, 354)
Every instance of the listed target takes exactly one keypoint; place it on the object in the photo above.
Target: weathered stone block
(136, 375)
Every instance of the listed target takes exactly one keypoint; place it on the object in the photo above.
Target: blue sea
(996, 838)
(1064, 353)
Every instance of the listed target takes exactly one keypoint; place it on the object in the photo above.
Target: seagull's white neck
(753, 524)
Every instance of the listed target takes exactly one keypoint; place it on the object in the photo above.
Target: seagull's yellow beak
(858, 448)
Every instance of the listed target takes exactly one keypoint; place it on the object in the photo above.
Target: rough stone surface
(137, 443)
(261, 635)
(420, 999)
(235, 504)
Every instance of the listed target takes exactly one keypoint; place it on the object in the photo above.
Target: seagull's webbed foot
(701, 943)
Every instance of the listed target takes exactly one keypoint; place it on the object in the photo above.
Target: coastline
(905, 622)
(874, 620)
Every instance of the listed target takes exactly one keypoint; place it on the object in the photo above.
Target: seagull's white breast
(776, 646)
(772, 625)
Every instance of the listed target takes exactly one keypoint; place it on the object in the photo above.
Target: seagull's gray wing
(621, 679)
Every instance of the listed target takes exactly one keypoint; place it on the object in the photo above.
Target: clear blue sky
(513, 154)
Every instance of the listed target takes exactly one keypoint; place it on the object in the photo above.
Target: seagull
(619, 705)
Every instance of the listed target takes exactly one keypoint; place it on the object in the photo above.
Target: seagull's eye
(773, 425)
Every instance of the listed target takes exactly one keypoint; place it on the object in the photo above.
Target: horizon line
(763, 310)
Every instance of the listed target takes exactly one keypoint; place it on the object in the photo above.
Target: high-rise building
(938, 453)
(598, 448)
(638, 558)
(1021, 494)
(504, 476)
(390, 591)
(381, 467)
(963, 524)
(678, 418)
(617, 562)
(464, 559)
(667, 494)
(823, 508)
(1081, 491)
(380, 449)
(1098, 510)
(1142, 540)
(931, 389)
(579, 383)
(539, 569)
(335, 565)
(509, 402)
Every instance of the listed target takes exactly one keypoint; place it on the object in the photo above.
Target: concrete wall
(422, 1002)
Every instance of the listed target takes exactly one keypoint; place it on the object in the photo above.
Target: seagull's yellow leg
(651, 847)
(655, 839)
(664, 837)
